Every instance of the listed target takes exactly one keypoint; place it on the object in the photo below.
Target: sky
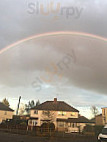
(70, 67)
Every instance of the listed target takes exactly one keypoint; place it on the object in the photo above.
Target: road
(8, 137)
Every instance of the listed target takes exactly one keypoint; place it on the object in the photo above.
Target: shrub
(93, 129)
(89, 128)
(98, 129)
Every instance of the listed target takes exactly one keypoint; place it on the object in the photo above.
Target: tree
(28, 106)
(6, 102)
(94, 110)
(37, 103)
(21, 109)
(48, 116)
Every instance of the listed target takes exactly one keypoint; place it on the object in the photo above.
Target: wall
(5, 115)
(54, 114)
(104, 115)
(99, 120)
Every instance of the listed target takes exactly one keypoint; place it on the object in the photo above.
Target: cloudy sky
(67, 66)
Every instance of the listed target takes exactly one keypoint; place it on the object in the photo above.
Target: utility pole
(18, 106)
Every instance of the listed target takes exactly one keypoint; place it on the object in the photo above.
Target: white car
(102, 137)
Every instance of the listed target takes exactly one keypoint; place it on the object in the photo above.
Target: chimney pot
(55, 100)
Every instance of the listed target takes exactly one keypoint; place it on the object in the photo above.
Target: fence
(44, 132)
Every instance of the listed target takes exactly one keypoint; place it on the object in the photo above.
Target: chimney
(55, 100)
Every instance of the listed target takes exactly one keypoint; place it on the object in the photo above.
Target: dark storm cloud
(16, 23)
(86, 68)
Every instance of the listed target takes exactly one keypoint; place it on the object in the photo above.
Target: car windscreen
(104, 131)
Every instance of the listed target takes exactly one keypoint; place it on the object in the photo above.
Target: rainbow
(53, 34)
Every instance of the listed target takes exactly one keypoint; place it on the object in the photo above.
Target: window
(36, 112)
(104, 119)
(34, 123)
(62, 113)
(70, 125)
(46, 113)
(104, 111)
(104, 131)
(73, 125)
(60, 124)
(72, 113)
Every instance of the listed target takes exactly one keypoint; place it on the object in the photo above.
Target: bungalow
(6, 113)
(62, 115)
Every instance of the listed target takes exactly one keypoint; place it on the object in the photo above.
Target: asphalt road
(8, 137)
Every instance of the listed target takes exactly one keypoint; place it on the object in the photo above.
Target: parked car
(102, 137)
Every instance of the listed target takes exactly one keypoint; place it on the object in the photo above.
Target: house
(24, 117)
(99, 120)
(104, 115)
(6, 113)
(62, 115)
(92, 120)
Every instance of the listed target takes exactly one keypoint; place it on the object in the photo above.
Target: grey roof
(33, 118)
(4, 107)
(80, 119)
(55, 106)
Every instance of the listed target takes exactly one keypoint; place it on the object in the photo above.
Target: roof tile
(4, 107)
(55, 106)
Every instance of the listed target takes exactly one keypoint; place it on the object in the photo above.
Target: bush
(98, 129)
(89, 128)
(93, 129)
(23, 123)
